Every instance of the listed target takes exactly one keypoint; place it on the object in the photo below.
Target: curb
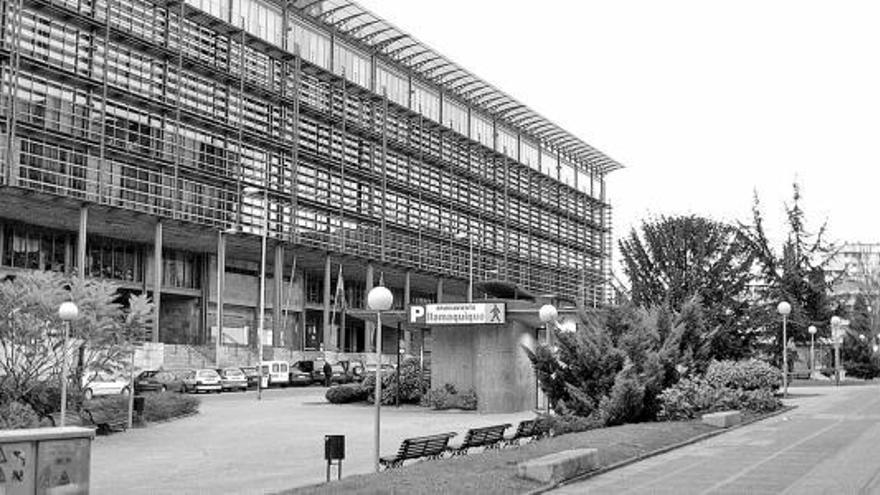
(653, 453)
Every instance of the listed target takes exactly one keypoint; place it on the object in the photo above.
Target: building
(855, 269)
(153, 143)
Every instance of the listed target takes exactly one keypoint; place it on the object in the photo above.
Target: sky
(703, 102)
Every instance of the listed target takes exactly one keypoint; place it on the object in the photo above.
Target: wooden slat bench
(107, 424)
(527, 428)
(430, 446)
(490, 437)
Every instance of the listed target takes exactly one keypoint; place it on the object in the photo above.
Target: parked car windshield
(207, 374)
(233, 373)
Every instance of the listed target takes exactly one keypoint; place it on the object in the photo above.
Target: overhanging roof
(357, 23)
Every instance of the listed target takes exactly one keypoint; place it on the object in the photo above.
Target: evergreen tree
(795, 274)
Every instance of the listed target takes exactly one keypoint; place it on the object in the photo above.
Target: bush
(866, 371)
(343, 394)
(691, 398)
(556, 425)
(449, 398)
(412, 384)
(16, 415)
(157, 407)
(747, 375)
(625, 403)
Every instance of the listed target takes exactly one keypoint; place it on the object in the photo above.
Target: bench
(527, 428)
(490, 437)
(431, 446)
(107, 424)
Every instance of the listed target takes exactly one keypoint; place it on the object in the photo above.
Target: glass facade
(173, 115)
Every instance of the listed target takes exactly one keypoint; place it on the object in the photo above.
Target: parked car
(201, 380)
(232, 379)
(158, 381)
(309, 367)
(339, 375)
(299, 376)
(278, 372)
(253, 377)
(97, 384)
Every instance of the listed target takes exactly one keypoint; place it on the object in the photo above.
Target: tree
(673, 259)
(795, 274)
(31, 344)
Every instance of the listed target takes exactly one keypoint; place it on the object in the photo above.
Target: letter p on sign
(416, 314)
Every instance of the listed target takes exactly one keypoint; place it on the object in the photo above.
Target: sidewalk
(829, 444)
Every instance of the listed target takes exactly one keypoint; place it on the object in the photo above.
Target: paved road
(830, 444)
(237, 445)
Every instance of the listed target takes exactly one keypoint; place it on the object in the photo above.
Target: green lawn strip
(495, 471)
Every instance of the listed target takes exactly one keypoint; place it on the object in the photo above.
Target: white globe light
(379, 299)
(568, 325)
(783, 308)
(835, 320)
(68, 311)
(812, 329)
(547, 313)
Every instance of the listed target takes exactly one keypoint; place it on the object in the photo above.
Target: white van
(278, 372)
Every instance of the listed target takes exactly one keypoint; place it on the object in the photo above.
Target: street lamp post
(784, 309)
(252, 192)
(378, 299)
(67, 312)
(835, 335)
(812, 331)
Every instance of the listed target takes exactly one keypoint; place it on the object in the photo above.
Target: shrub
(412, 384)
(449, 398)
(16, 415)
(866, 371)
(747, 375)
(343, 394)
(567, 423)
(693, 397)
(157, 407)
(625, 403)
(168, 405)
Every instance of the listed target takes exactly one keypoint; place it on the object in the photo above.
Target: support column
(221, 287)
(407, 300)
(439, 290)
(369, 326)
(81, 241)
(278, 302)
(157, 278)
(328, 345)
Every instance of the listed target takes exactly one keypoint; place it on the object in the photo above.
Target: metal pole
(397, 395)
(64, 371)
(221, 275)
(836, 363)
(262, 293)
(131, 390)
(784, 357)
(812, 352)
(378, 390)
(471, 271)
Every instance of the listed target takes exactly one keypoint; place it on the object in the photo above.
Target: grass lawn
(495, 471)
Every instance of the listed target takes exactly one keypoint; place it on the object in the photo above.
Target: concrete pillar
(221, 287)
(328, 344)
(407, 300)
(369, 327)
(157, 278)
(81, 241)
(278, 302)
(439, 290)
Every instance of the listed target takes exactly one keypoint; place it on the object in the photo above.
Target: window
(426, 101)
(354, 64)
(481, 129)
(392, 83)
(314, 45)
(455, 115)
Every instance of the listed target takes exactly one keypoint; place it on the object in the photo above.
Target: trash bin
(139, 403)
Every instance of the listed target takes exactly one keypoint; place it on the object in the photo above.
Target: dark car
(298, 376)
(158, 381)
(252, 375)
(316, 371)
